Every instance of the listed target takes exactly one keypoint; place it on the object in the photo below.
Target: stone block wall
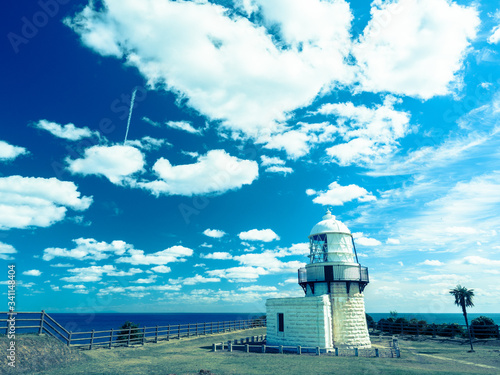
(307, 321)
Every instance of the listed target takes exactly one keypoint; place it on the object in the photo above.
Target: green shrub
(450, 330)
(135, 334)
(483, 327)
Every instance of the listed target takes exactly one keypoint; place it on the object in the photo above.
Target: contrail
(130, 114)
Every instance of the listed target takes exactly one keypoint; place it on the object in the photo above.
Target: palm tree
(463, 298)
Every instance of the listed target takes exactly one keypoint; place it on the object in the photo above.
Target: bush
(483, 327)
(369, 321)
(135, 334)
(450, 330)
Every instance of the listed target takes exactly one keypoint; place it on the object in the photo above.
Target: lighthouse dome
(329, 225)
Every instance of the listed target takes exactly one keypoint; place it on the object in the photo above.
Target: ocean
(85, 322)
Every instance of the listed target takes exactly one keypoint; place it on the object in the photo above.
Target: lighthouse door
(328, 273)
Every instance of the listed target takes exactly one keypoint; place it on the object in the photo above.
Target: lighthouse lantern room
(332, 314)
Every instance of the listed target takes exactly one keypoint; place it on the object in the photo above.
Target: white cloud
(258, 288)
(68, 131)
(183, 125)
(295, 249)
(37, 202)
(88, 248)
(161, 269)
(137, 291)
(444, 278)
(269, 262)
(173, 254)
(337, 195)
(115, 163)
(204, 244)
(194, 280)
(148, 143)
(310, 192)
(227, 67)
(371, 134)
(32, 273)
(279, 169)
(10, 152)
(428, 262)
(294, 142)
(494, 38)
(242, 274)
(6, 250)
(275, 165)
(393, 241)
(477, 260)
(268, 161)
(217, 255)
(265, 235)
(214, 233)
(89, 274)
(71, 286)
(150, 280)
(365, 241)
(461, 230)
(415, 47)
(213, 173)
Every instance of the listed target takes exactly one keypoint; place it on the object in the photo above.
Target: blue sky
(250, 118)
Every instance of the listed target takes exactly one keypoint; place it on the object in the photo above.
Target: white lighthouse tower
(332, 313)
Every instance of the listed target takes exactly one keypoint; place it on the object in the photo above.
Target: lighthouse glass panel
(318, 247)
(331, 247)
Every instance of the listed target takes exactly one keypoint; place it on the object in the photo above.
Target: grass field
(189, 356)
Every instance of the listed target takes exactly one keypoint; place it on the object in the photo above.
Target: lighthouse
(332, 312)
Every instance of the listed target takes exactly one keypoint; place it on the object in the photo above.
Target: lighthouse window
(281, 322)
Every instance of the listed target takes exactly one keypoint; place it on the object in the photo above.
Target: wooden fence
(257, 344)
(447, 330)
(41, 322)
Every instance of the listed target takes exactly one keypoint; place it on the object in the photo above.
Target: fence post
(299, 350)
(69, 338)
(156, 335)
(92, 340)
(377, 354)
(318, 350)
(356, 352)
(110, 338)
(128, 338)
(336, 352)
(143, 335)
(42, 319)
(214, 347)
(229, 346)
(247, 348)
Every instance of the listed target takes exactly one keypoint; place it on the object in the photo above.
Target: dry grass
(194, 356)
(36, 353)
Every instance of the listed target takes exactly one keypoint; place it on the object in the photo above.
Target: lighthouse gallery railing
(340, 273)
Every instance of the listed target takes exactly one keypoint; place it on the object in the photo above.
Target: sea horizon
(82, 322)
